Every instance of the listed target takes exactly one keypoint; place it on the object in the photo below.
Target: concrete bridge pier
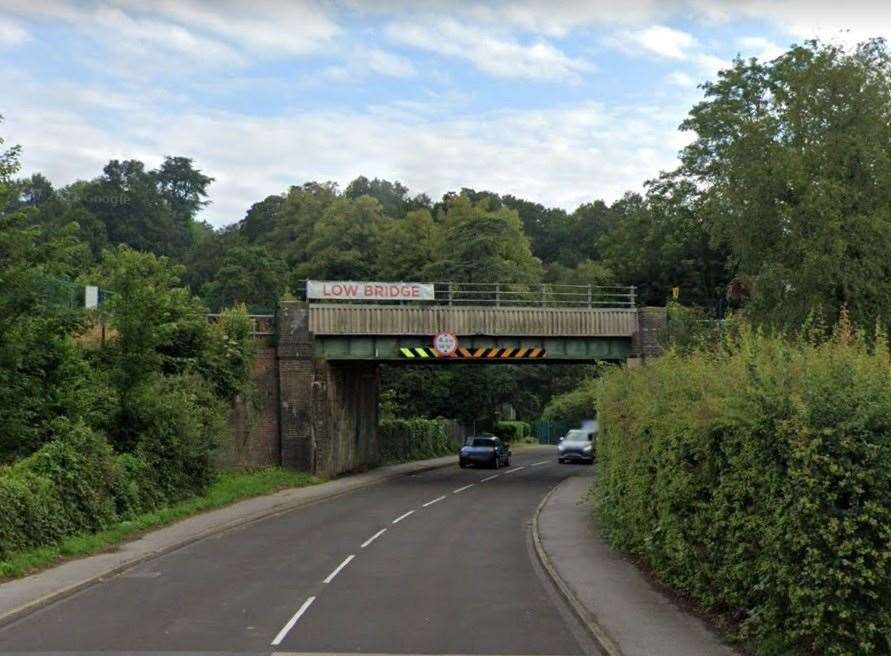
(328, 410)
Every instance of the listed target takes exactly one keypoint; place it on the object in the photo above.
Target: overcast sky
(557, 102)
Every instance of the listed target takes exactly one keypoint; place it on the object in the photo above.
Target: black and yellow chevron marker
(482, 353)
(418, 352)
(508, 353)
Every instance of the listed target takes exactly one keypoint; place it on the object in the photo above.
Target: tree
(262, 217)
(183, 187)
(247, 275)
(480, 245)
(406, 246)
(345, 241)
(793, 158)
(42, 372)
(659, 241)
(393, 196)
(127, 201)
(294, 222)
(158, 327)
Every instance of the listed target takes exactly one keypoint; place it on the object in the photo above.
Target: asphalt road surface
(434, 563)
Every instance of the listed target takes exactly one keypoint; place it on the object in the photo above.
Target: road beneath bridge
(439, 562)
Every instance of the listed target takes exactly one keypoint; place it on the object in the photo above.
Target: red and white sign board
(369, 291)
(445, 343)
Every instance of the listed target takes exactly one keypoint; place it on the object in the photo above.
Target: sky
(559, 102)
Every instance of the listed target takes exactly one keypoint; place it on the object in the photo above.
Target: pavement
(629, 616)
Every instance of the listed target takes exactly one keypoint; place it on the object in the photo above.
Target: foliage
(480, 244)
(225, 361)
(575, 405)
(792, 159)
(404, 440)
(512, 431)
(248, 275)
(178, 421)
(756, 477)
(226, 489)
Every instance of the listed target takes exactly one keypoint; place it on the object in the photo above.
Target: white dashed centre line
(511, 471)
(430, 503)
(536, 464)
(339, 567)
(461, 489)
(401, 517)
(291, 622)
(374, 537)
(489, 478)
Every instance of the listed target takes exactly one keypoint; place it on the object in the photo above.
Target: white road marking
(401, 517)
(339, 567)
(374, 537)
(536, 464)
(430, 503)
(461, 489)
(489, 478)
(511, 471)
(290, 625)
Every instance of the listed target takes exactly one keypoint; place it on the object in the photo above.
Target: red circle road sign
(445, 343)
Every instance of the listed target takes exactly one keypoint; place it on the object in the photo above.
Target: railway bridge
(327, 351)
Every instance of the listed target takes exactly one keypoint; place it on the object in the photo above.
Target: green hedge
(512, 431)
(758, 479)
(403, 440)
(77, 484)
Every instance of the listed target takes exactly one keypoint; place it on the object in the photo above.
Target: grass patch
(228, 488)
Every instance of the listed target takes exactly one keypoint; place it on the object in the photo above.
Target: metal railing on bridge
(500, 294)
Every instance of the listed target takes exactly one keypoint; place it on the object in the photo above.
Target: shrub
(757, 477)
(178, 420)
(512, 431)
(403, 440)
(63, 488)
(80, 465)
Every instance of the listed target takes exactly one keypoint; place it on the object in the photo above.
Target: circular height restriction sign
(445, 343)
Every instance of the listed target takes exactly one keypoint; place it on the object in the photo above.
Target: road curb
(57, 595)
(588, 620)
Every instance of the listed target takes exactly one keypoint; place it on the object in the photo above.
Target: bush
(76, 484)
(757, 477)
(63, 488)
(512, 431)
(403, 440)
(178, 420)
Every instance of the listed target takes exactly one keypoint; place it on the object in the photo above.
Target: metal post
(589, 296)
(450, 293)
(497, 294)
(543, 295)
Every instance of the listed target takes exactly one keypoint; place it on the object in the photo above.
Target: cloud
(386, 63)
(563, 155)
(681, 79)
(656, 40)
(12, 34)
(495, 53)
(224, 31)
(760, 47)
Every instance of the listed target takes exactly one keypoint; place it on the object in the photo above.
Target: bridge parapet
(394, 320)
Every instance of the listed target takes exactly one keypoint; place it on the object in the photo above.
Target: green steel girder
(385, 348)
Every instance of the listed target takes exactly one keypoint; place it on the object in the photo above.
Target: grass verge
(228, 488)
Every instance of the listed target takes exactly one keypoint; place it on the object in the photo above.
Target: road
(439, 562)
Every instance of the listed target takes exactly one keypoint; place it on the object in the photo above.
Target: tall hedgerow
(757, 477)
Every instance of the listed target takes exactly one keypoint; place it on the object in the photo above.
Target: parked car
(577, 446)
(484, 450)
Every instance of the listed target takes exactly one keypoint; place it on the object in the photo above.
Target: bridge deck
(538, 322)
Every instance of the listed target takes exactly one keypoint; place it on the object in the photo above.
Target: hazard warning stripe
(481, 353)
